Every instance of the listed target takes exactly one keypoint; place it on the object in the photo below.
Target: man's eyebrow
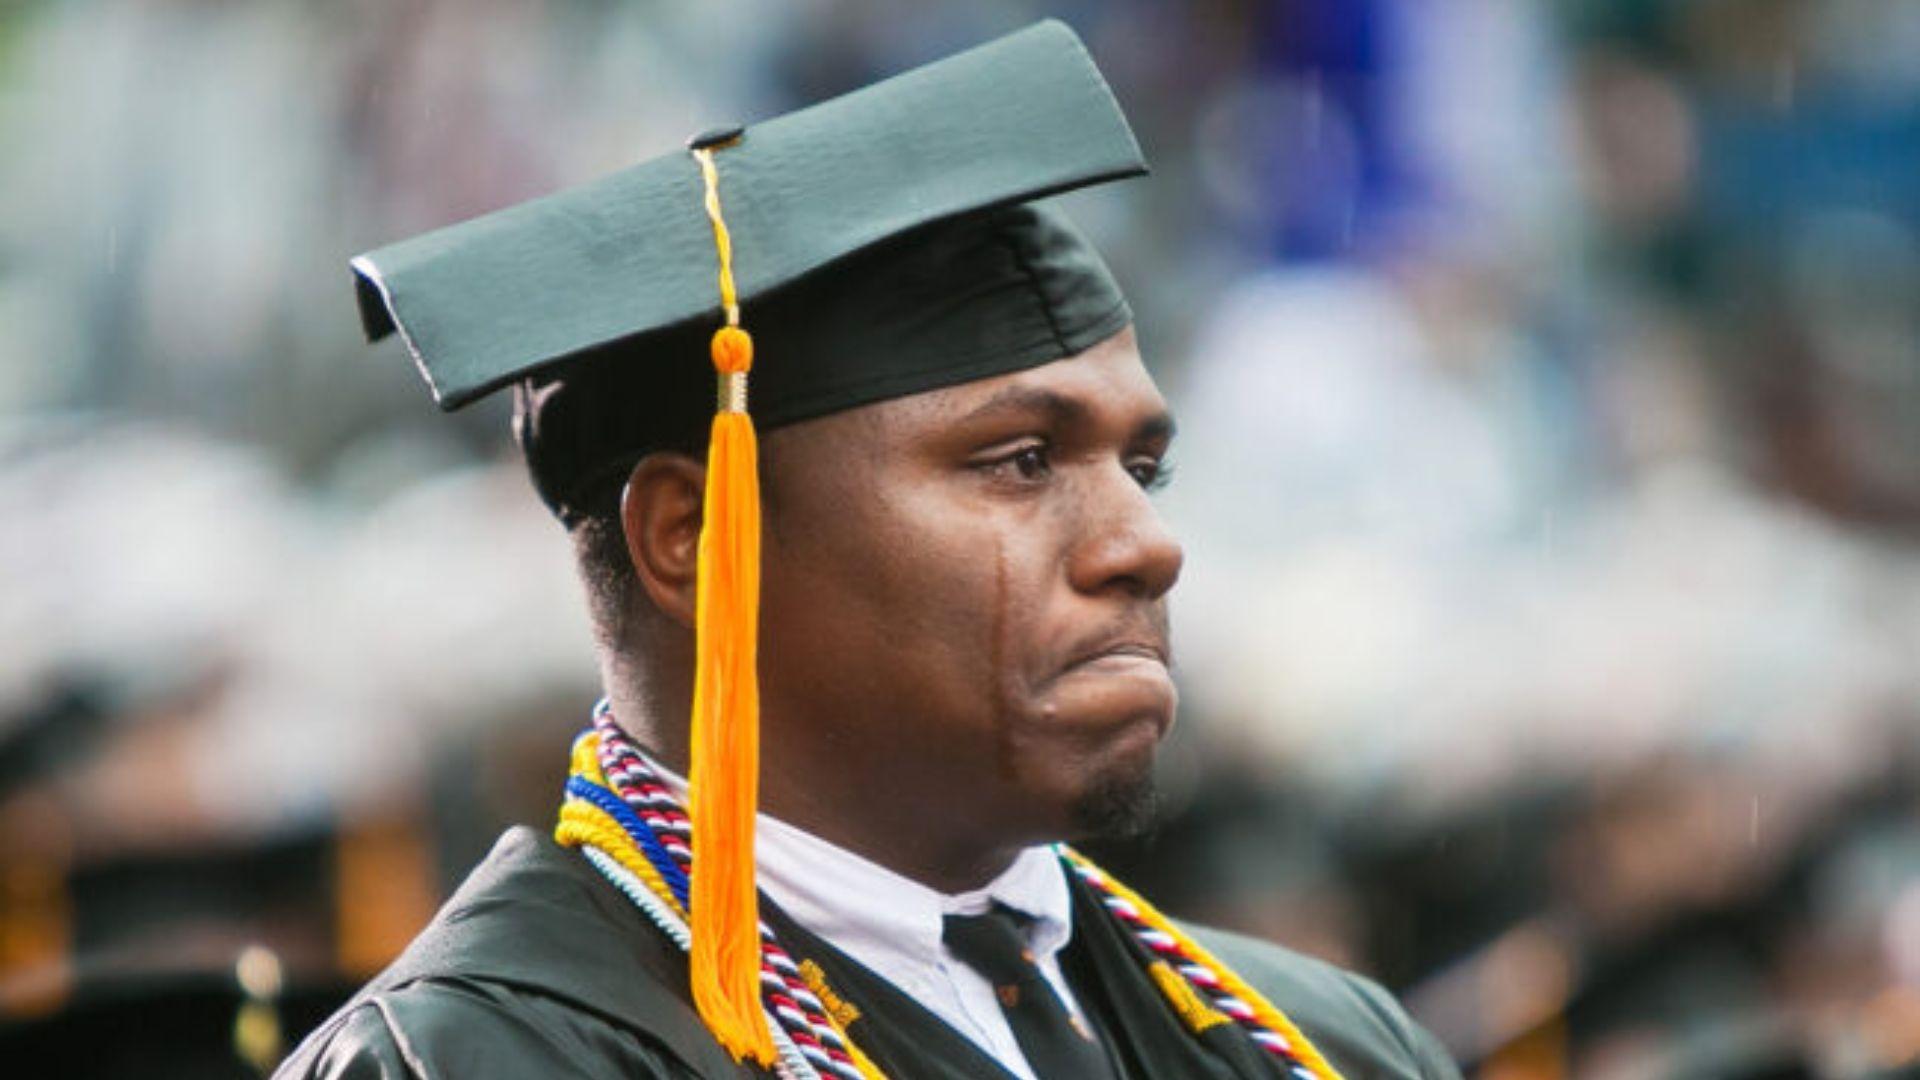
(1160, 427)
(1053, 405)
(1062, 409)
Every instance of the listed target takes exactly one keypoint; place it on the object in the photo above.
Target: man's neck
(902, 839)
(906, 840)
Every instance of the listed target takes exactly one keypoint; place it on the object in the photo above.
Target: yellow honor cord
(1186, 1001)
(724, 780)
(583, 823)
(840, 1013)
(584, 759)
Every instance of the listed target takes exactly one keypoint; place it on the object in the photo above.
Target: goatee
(1117, 807)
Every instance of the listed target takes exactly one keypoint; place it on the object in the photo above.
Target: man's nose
(1123, 543)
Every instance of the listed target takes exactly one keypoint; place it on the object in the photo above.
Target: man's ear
(660, 511)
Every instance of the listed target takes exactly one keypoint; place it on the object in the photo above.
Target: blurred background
(1550, 474)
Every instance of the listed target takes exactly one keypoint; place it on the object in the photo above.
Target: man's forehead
(1108, 378)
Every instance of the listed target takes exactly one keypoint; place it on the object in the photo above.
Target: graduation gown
(539, 967)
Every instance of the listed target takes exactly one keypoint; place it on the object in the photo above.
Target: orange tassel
(725, 779)
(724, 785)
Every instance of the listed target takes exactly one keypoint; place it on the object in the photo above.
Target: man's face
(964, 609)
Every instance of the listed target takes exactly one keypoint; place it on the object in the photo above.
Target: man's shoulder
(535, 967)
(1354, 1021)
(457, 1028)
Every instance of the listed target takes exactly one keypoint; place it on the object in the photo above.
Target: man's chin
(1116, 806)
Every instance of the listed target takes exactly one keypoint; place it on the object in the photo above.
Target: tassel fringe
(725, 781)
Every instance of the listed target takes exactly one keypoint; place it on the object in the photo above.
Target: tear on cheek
(1007, 698)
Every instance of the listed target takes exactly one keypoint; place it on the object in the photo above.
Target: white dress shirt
(892, 924)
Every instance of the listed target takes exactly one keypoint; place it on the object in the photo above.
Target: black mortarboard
(882, 188)
(881, 244)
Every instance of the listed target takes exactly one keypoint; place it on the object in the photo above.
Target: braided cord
(1228, 991)
(611, 805)
(582, 824)
(670, 921)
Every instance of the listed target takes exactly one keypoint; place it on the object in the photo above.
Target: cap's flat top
(489, 300)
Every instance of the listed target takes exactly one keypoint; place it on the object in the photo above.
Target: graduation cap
(879, 244)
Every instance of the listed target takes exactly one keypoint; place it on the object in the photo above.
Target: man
(961, 584)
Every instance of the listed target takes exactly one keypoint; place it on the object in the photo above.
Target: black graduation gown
(538, 967)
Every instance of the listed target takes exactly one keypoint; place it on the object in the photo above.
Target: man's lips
(1110, 685)
(1121, 652)
(1118, 672)
(1137, 638)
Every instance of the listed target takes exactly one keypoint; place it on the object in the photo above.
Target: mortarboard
(881, 243)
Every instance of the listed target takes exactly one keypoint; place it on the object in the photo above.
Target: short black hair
(599, 535)
(606, 571)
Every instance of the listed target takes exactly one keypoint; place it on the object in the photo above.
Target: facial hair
(1117, 807)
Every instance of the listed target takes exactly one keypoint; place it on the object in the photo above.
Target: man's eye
(1151, 474)
(1023, 464)
(1031, 462)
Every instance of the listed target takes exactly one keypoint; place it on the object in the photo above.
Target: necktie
(1056, 1045)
